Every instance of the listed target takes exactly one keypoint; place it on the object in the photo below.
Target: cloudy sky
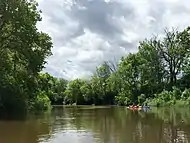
(87, 32)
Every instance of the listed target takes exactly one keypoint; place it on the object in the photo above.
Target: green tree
(73, 91)
(130, 73)
(151, 68)
(174, 50)
(24, 51)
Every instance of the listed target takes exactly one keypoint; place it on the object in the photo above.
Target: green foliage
(185, 94)
(141, 99)
(23, 50)
(73, 91)
(122, 99)
(53, 87)
(41, 102)
(168, 98)
(158, 74)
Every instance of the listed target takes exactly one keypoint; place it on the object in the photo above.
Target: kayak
(138, 108)
(134, 108)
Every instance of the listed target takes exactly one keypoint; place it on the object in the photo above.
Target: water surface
(85, 124)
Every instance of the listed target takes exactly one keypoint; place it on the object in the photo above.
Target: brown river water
(86, 124)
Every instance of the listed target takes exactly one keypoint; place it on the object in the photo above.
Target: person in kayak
(133, 106)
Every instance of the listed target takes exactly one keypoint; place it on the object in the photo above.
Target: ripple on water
(70, 136)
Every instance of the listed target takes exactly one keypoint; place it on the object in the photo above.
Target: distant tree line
(158, 74)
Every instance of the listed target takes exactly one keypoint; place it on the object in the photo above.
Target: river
(86, 124)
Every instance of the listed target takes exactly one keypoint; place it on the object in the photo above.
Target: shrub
(168, 98)
(121, 99)
(176, 93)
(185, 94)
(41, 102)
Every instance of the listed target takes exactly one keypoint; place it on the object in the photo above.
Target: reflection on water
(99, 125)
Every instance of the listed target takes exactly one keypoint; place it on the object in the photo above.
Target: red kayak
(134, 107)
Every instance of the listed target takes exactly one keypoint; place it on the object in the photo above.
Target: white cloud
(86, 33)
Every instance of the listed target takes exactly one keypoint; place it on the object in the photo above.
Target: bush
(181, 103)
(165, 96)
(168, 98)
(185, 94)
(155, 102)
(176, 93)
(12, 100)
(121, 99)
(41, 102)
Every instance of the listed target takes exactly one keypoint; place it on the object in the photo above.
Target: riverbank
(86, 106)
(176, 97)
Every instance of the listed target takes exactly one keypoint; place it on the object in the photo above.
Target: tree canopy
(156, 74)
(23, 50)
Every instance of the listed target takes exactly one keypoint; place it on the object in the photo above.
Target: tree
(151, 68)
(73, 91)
(174, 50)
(87, 92)
(24, 51)
(130, 74)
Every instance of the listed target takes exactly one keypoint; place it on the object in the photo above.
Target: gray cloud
(89, 32)
(97, 15)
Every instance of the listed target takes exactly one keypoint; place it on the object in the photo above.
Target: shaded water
(99, 125)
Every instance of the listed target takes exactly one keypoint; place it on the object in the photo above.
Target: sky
(85, 33)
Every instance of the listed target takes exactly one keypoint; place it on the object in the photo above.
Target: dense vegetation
(23, 50)
(158, 74)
